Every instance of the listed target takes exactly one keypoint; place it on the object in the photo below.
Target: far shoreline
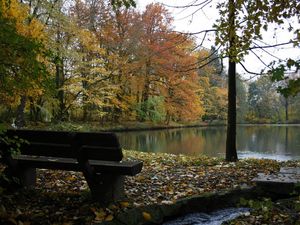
(135, 126)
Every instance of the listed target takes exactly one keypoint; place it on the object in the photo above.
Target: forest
(94, 62)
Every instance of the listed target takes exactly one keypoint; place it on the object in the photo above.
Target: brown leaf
(146, 216)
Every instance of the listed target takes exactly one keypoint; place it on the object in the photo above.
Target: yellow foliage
(89, 41)
(26, 26)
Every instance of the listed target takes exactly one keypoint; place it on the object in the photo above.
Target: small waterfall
(214, 218)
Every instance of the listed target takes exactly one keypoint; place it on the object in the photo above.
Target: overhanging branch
(271, 46)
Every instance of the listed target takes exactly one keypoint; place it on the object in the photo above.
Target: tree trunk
(144, 101)
(85, 106)
(20, 117)
(35, 110)
(61, 115)
(231, 152)
(60, 78)
(286, 109)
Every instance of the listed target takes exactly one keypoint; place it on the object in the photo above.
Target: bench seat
(130, 168)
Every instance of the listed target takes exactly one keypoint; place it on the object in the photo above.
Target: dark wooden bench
(97, 155)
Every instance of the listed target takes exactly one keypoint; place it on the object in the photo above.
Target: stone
(285, 182)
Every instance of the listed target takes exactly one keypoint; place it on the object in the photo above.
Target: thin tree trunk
(20, 117)
(62, 114)
(231, 152)
(286, 139)
(286, 109)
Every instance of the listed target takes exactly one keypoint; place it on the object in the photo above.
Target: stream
(214, 218)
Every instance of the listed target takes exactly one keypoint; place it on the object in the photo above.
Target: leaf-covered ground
(61, 197)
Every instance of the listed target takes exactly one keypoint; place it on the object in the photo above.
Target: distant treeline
(88, 61)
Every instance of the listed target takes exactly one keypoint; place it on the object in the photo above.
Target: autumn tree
(140, 50)
(213, 84)
(23, 65)
(122, 41)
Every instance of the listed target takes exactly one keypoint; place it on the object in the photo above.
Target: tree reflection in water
(258, 141)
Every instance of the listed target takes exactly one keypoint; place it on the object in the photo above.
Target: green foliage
(288, 85)
(14, 142)
(292, 89)
(264, 102)
(18, 57)
(120, 3)
(265, 205)
(152, 109)
(242, 105)
(243, 22)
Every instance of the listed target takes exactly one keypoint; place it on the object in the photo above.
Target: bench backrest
(98, 146)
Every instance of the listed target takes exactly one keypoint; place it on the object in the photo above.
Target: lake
(280, 142)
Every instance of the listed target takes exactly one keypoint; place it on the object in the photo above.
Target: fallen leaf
(100, 214)
(146, 216)
(109, 218)
(124, 204)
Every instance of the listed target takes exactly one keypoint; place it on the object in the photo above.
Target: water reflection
(269, 141)
(265, 141)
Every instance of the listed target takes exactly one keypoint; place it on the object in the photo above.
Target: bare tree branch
(193, 13)
(250, 72)
(259, 59)
(198, 67)
(204, 59)
(264, 50)
(205, 2)
(199, 32)
(271, 46)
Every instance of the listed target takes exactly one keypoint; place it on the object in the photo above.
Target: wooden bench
(97, 155)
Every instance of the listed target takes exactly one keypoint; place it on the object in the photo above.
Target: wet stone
(292, 170)
(286, 181)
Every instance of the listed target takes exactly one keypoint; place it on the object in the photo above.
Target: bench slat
(48, 149)
(57, 137)
(122, 168)
(102, 153)
(103, 139)
(101, 146)
(98, 146)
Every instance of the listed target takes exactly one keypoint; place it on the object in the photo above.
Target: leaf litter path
(61, 197)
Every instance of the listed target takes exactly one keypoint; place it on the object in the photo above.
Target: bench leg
(21, 176)
(27, 177)
(110, 188)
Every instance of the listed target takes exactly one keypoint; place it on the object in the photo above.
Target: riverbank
(133, 126)
(116, 127)
(61, 197)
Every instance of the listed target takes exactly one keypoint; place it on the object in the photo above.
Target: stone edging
(207, 202)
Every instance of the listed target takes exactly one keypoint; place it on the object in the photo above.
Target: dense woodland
(94, 62)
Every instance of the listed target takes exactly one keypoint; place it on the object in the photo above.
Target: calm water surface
(281, 142)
